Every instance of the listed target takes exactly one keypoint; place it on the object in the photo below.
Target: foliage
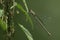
(28, 34)
(3, 24)
(1, 13)
(25, 12)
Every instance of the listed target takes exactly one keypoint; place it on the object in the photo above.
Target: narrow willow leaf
(24, 1)
(1, 12)
(3, 25)
(28, 34)
(20, 7)
(27, 15)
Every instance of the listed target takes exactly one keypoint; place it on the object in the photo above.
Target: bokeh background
(48, 11)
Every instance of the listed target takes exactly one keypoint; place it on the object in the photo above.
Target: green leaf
(28, 34)
(1, 12)
(24, 1)
(27, 15)
(20, 7)
(3, 25)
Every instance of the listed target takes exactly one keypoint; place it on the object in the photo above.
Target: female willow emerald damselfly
(39, 21)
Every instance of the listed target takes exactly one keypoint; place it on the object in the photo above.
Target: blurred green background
(48, 11)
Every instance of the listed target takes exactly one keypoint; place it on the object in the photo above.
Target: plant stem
(8, 18)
